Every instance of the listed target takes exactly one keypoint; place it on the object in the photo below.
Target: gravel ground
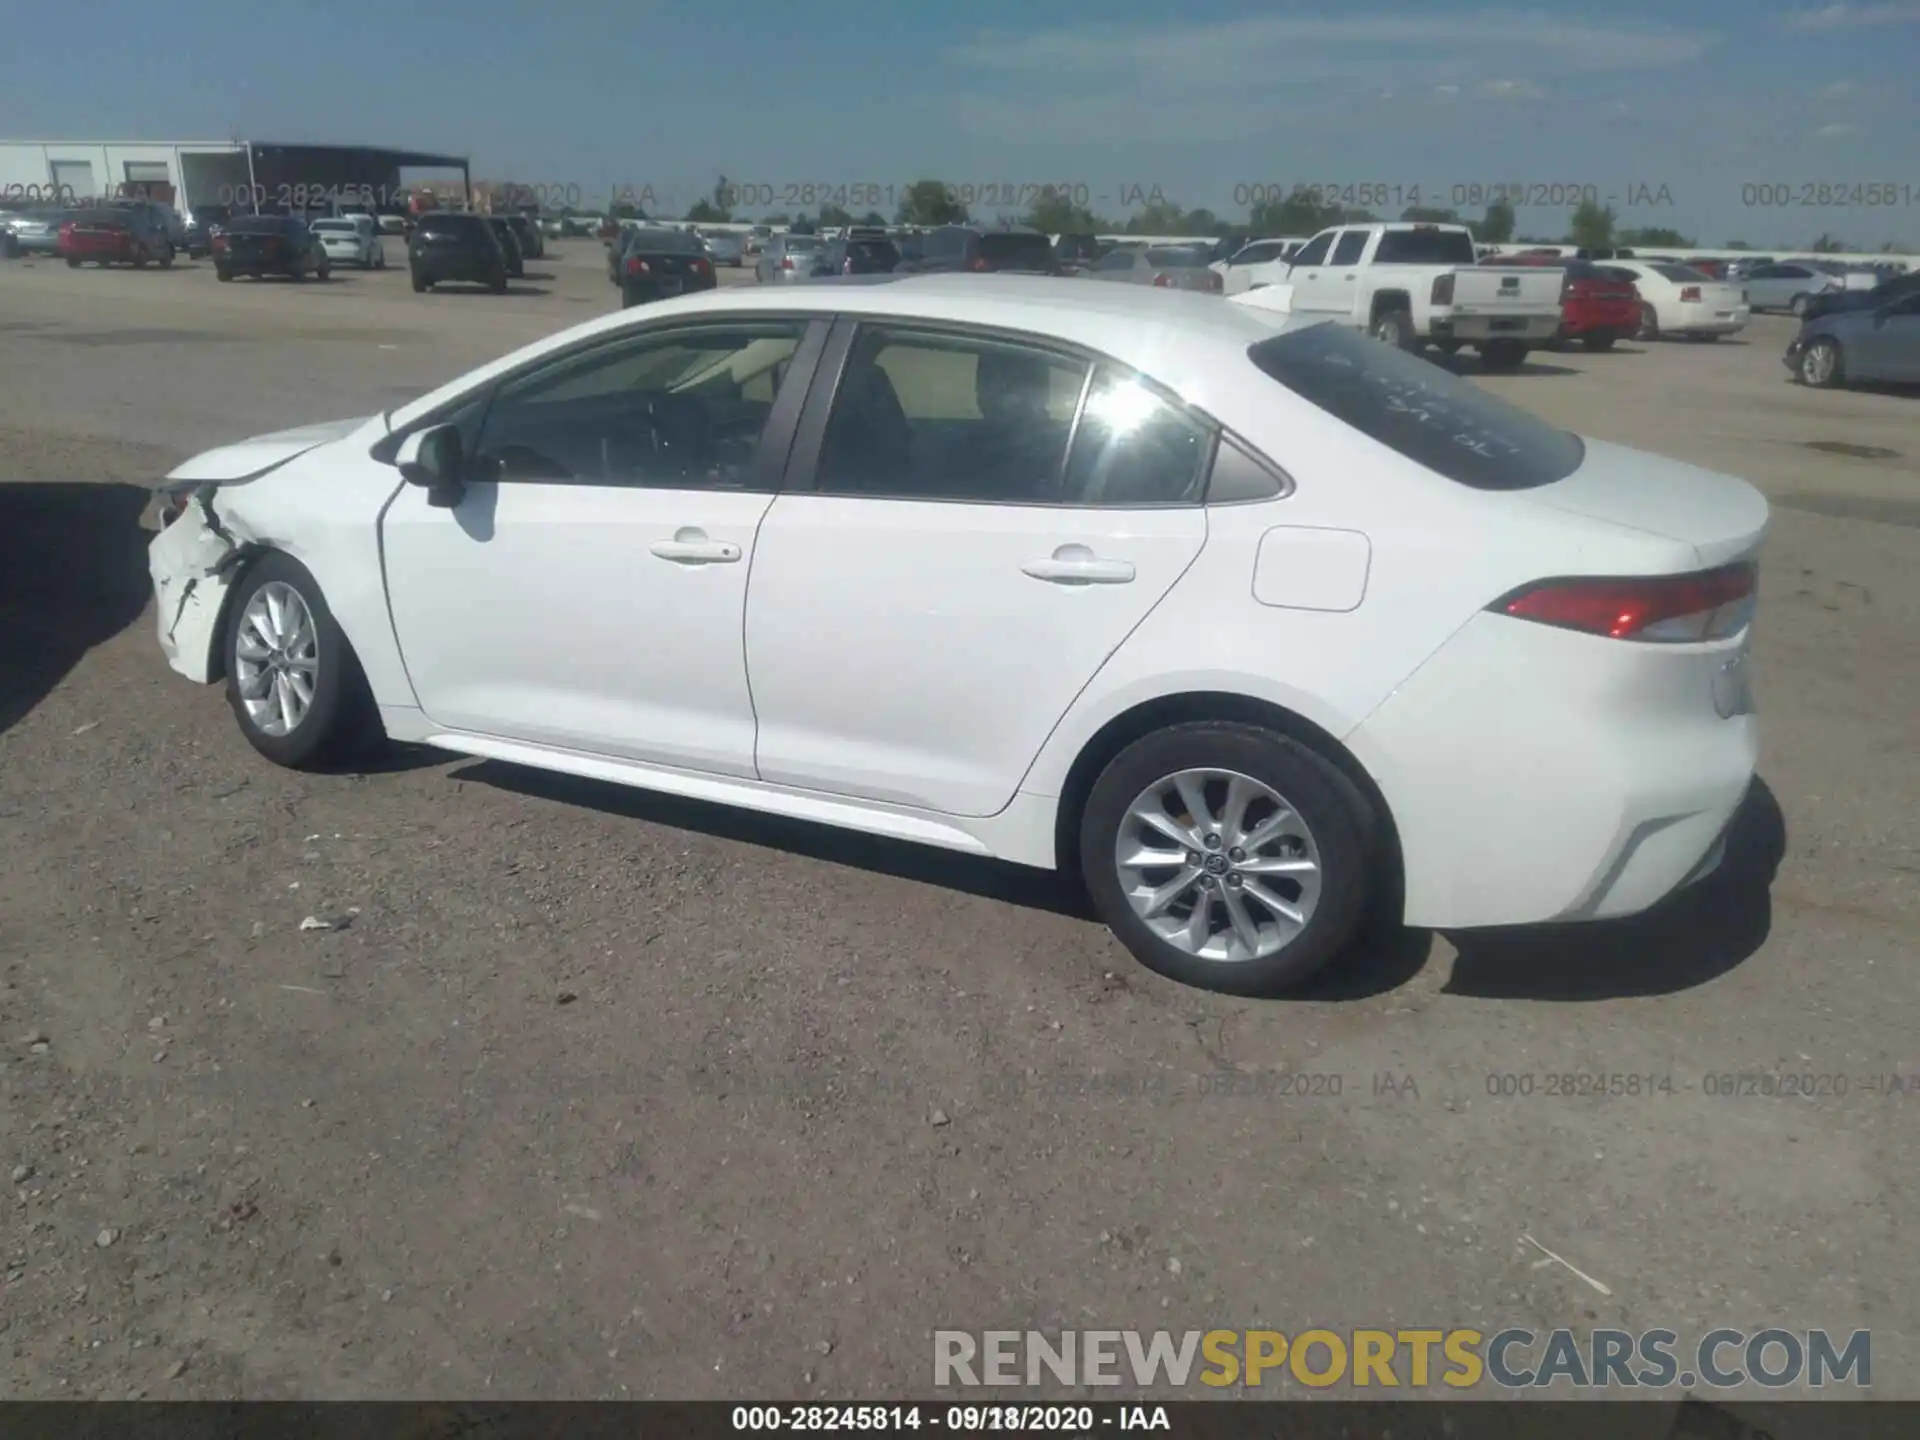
(583, 1092)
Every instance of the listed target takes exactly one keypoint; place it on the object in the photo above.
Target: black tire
(221, 272)
(1324, 799)
(1649, 323)
(1503, 357)
(1395, 328)
(1835, 376)
(325, 272)
(498, 285)
(166, 260)
(340, 721)
(1599, 340)
(1709, 338)
(420, 283)
(73, 262)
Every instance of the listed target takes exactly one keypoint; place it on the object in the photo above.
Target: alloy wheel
(276, 658)
(1218, 865)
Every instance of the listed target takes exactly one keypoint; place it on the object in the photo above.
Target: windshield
(798, 244)
(1001, 247)
(1431, 416)
(1680, 274)
(336, 227)
(1176, 259)
(665, 242)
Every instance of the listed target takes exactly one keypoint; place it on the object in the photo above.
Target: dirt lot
(590, 1093)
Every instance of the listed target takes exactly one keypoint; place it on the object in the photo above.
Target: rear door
(973, 524)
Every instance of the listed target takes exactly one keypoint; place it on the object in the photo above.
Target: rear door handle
(690, 546)
(1077, 565)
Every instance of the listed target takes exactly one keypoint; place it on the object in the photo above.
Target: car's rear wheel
(1227, 856)
(1649, 323)
(421, 284)
(1599, 340)
(166, 258)
(73, 262)
(1395, 327)
(292, 679)
(1822, 365)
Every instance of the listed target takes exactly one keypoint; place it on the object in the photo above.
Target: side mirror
(435, 460)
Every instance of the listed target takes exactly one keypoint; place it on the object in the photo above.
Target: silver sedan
(787, 258)
(1170, 267)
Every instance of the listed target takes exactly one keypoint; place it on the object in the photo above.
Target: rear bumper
(1530, 329)
(1540, 775)
(1705, 320)
(1580, 320)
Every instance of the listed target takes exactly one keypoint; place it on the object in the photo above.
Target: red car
(1595, 308)
(129, 236)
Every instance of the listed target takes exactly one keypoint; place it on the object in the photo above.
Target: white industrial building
(185, 173)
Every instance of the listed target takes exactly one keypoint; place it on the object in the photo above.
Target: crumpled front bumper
(192, 563)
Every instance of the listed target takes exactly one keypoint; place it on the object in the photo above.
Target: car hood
(250, 459)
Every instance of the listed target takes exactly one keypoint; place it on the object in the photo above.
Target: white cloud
(1097, 77)
(1836, 132)
(1840, 90)
(1852, 17)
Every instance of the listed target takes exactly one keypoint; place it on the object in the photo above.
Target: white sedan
(352, 240)
(1680, 300)
(1260, 627)
(1257, 263)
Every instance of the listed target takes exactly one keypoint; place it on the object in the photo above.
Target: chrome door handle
(1077, 565)
(692, 547)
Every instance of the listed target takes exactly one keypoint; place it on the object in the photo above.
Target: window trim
(804, 455)
(776, 441)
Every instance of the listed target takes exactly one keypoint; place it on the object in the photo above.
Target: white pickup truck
(1414, 284)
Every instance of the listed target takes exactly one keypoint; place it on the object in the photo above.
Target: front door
(946, 572)
(1308, 275)
(1889, 344)
(588, 591)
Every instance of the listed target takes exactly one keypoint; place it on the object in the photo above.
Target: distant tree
(834, 215)
(1828, 244)
(1659, 237)
(705, 212)
(1429, 215)
(1736, 245)
(624, 210)
(1295, 215)
(1054, 213)
(1497, 227)
(1591, 225)
(803, 224)
(1353, 217)
(873, 217)
(1202, 222)
(1162, 217)
(930, 202)
(779, 217)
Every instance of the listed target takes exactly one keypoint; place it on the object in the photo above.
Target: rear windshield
(882, 250)
(1425, 247)
(103, 219)
(799, 243)
(340, 226)
(257, 225)
(1001, 247)
(665, 242)
(1411, 405)
(1176, 259)
(450, 224)
(1682, 274)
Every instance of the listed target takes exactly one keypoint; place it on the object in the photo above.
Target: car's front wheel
(1227, 856)
(1821, 365)
(292, 679)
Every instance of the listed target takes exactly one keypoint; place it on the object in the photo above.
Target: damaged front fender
(193, 563)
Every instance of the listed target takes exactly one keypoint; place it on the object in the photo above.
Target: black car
(967, 247)
(1834, 302)
(526, 229)
(203, 223)
(659, 264)
(509, 238)
(262, 245)
(859, 255)
(454, 245)
(1077, 252)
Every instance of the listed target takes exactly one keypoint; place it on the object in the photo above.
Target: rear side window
(1679, 274)
(1435, 418)
(1003, 249)
(1133, 448)
(1425, 247)
(881, 251)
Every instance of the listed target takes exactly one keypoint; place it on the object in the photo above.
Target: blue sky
(1702, 99)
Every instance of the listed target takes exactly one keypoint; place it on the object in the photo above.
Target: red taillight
(1213, 281)
(786, 264)
(1670, 609)
(1568, 290)
(978, 264)
(701, 267)
(219, 242)
(1690, 295)
(66, 232)
(1442, 292)
(636, 266)
(1163, 281)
